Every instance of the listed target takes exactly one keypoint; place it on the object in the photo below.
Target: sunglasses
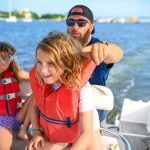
(80, 22)
(6, 61)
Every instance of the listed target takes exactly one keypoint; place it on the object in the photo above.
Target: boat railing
(121, 142)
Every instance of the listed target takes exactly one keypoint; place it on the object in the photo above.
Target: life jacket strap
(7, 80)
(9, 96)
(67, 122)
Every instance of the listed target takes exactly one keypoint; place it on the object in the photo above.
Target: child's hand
(36, 142)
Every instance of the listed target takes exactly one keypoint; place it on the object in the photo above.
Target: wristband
(33, 131)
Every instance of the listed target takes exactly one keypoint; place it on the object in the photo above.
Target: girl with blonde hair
(62, 111)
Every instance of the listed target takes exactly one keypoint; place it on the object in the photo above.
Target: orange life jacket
(59, 109)
(9, 93)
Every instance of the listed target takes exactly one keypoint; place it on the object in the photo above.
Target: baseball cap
(86, 13)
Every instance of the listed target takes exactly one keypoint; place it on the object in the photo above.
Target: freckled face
(47, 70)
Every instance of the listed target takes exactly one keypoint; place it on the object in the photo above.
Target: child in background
(11, 116)
(62, 111)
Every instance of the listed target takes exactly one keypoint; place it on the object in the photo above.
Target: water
(128, 79)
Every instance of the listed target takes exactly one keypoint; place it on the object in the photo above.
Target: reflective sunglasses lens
(81, 23)
(70, 22)
(6, 60)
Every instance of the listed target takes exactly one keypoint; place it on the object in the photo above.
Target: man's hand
(97, 52)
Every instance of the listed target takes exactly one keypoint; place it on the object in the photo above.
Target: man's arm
(115, 53)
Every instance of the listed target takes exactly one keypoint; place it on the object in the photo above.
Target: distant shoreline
(58, 19)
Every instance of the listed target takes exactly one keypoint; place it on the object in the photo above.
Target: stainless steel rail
(117, 135)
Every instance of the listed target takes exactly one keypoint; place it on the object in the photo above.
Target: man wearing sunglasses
(80, 25)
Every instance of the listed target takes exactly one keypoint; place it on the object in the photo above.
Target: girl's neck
(2, 71)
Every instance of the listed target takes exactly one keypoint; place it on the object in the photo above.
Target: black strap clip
(68, 122)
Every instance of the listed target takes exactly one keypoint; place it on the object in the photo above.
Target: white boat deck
(135, 124)
(136, 134)
(134, 128)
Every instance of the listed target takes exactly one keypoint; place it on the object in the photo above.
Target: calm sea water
(129, 78)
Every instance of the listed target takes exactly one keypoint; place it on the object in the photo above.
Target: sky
(100, 8)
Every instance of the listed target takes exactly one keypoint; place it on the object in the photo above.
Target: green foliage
(4, 14)
(15, 13)
(111, 116)
(53, 16)
(33, 15)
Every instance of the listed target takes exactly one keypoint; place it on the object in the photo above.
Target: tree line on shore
(33, 15)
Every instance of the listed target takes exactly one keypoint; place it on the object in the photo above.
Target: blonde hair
(64, 52)
(10, 50)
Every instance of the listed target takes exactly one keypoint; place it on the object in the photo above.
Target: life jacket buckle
(10, 96)
(19, 104)
(68, 122)
(6, 81)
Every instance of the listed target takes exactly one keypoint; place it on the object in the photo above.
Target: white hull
(27, 20)
(11, 19)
